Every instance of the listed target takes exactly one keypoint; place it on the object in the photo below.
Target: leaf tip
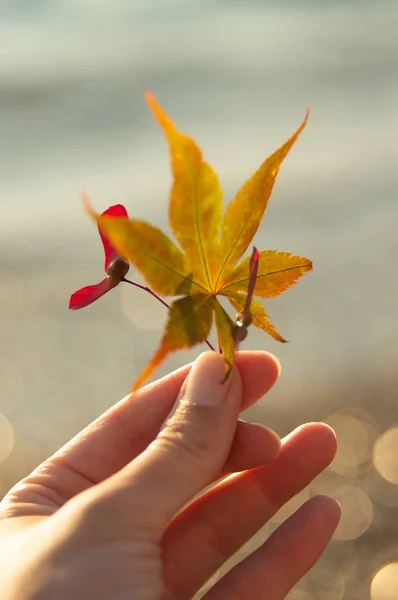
(155, 107)
(87, 205)
(138, 383)
(149, 97)
(308, 266)
(254, 258)
(228, 369)
(303, 122)
(136, 386)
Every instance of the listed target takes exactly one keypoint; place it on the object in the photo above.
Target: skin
(121, 511)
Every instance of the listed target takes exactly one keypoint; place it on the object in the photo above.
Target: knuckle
(187, 431)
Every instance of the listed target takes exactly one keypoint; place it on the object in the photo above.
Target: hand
(106, 517)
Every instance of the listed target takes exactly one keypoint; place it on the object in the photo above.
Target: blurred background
(237, 76)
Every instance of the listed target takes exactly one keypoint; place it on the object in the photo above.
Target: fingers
(213, 527)
(253, 445)
(124, 431)
(285, 557)
(190, 450)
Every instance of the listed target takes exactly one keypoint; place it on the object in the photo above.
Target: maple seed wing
(118, 210)
(90, 294)
(150, 250)
(260, 317)
(277, 271)
(244, 213)
(189, 322)
(195, 207)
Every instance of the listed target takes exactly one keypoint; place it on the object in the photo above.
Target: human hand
(106, 516)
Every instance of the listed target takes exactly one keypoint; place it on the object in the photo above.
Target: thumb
(192, 446)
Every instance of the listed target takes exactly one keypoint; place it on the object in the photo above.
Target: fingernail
(204, 384)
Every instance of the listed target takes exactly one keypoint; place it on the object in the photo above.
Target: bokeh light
(384, 585)
(328, 581)
(357, 512)
(381, 490)
(355, 440)
(385, 455)
(6, 438)
(12, 386)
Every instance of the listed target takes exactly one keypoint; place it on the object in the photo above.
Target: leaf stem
(148, 289)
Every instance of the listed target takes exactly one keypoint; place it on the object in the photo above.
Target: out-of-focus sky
(237, 76)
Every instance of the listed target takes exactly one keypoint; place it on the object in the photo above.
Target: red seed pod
(118, 269)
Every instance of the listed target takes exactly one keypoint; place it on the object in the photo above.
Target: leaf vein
(261, 276)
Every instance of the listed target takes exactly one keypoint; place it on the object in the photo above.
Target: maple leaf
(211, 244)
